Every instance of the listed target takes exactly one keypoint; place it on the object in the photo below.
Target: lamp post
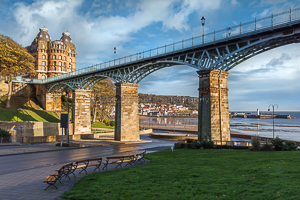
(17, 114)
(115, 51)
(203, 23)
(273, 115)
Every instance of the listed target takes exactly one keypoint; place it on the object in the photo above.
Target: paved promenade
(28, 183)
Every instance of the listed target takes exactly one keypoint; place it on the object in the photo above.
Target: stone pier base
(81, 113)
(127, 119)
(49, 101)
(213, 115)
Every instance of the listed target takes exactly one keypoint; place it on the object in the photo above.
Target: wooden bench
(140, 157)
(53, 178)
(119, 160)
(69, 169)
(82, 164)
(95, 162)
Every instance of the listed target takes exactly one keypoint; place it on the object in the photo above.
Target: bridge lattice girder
(222, 56)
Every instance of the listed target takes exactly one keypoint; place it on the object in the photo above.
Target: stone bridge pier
(213, 115)
(81, 114)
(126, 117)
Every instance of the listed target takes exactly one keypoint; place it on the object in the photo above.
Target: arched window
(44, 68)
(64, 57)
(70, 60)
(43, 63)
(59, 57)
(49, 57)
(59, 69)
(54, 46)
(54, 57)
(54, 63)
(70, 66)
(54, 68)
(44, 57)
(59, 63)
(64, 64)
(49, 69)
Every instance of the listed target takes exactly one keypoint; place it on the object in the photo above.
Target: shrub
(207, 144)
(292, 145)
(112, 123)
(255, 143)
(267, 147)
(278, 143)
(4, 133)
(196, 144)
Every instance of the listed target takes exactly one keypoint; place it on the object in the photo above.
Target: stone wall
(127, 119)
(213, 122)
(33, 129)
(81, 111)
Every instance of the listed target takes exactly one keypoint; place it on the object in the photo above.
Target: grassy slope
(199, 174)
(101, 125)
(28, 111)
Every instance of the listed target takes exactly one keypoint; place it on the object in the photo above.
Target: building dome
(65, 38)
(42, 36)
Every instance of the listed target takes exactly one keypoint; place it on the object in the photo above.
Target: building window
(54, 63)
(59, 57)
(44, 57)
(64, 64)
(59, 63)
(65, 58)
(43, 77)
(59, 69)
(70, 60)
(43, 46)
(49, 69)
(54, 57)
(54, 46)
(44, 68)
(70, 66)
(54, 68)
(43, 63)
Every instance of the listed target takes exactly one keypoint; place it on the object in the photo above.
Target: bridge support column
(127, 118)
(49, 101)
(81, 114)
(213, 115)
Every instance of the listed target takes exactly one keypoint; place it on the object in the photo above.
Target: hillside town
(152, 109)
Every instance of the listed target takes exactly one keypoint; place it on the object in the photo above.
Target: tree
(14, 61)
(103, 99)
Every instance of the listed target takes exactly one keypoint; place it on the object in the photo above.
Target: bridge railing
(243, 28)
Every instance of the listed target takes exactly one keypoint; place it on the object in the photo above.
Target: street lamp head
(229, 31)
(203, 20)
(115, 49)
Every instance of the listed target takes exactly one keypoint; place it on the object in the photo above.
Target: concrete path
(28, 183)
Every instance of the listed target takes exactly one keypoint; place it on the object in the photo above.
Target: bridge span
(212, 54)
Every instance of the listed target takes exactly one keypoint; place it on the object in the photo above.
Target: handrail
(254, 25)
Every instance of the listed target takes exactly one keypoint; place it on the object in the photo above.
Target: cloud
(235, 2)
(95, 32)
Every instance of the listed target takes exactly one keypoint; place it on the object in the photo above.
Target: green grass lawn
(101, 125)
(199, 174)
(28, 111)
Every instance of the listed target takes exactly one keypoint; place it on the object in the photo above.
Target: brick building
(52, 57)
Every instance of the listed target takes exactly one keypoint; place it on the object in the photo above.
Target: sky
(132, 26)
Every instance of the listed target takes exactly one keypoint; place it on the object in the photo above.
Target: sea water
(283, 128)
